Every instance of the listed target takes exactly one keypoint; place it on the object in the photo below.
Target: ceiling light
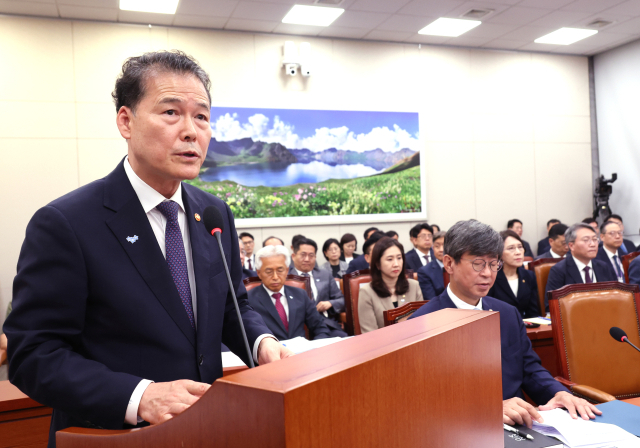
(565, 36)
(156, 6)
(312, 15)
(449, 27)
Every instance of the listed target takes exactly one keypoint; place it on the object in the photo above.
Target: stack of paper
(538, 320)
(581, 433)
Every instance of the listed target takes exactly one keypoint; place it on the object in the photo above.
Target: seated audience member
(436, 228)
(627, 245)
(248, 244)
(516, 226)
(430, 276)
(348, 245)
(593, 223)
(389, 287)
(246, 273)
(543, 244)
(285, 310)
(392, 234)
(514, 284)
(362, 262)
(331, 251)
(272, 241)
(610, 252)
(634, 271)
(580, 265)
(556, 241)
(422, 239)
(3, 339)
(369, 231)
(326, 293)
(472, 253)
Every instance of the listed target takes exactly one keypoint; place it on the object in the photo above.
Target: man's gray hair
(474, 238)
(272, 251)
(572, 232)
(439, 235)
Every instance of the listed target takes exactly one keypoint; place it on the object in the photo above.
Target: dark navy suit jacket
(527, 299)
(634, 271)
(527, 249)
(431, 280)
(543, 246)
(301, 311)
(413, 259)
(566, 272)
(246, 273)
(521, 368)
(628, 244)
(93, 314)
(357, 264)
(602, 256)
(328, 291)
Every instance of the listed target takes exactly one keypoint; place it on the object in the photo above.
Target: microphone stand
(626, 339)
(235, 301)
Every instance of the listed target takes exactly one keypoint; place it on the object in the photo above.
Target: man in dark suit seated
(610, 252)
(472, 258)
(362, 262)
(516, 226)
(121, 302)
(422, 240)
(543, 244)
(557, 245)
(580, 266)
(246, 273)
(285, 310)
(327, 296)
(627, 245)
(430, 276)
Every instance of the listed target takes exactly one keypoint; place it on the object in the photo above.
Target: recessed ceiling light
(312, 15)
(449, 27)
(157, 6)
(565, 36)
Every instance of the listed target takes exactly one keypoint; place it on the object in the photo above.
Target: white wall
(617, 83)
(505, 134)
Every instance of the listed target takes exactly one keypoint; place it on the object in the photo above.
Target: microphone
(214, 223)
(619, 335)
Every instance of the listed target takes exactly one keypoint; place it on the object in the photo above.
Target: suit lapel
(202, 245)
(503, 284)
(437, 274)
(573, 270)
(129, 221)
(265, 300)
(293, 307)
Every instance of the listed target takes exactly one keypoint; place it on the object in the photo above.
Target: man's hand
(516, 410)
(271, 350)
(323, 306)
(572, 404)
(163, 401)
(3, 348)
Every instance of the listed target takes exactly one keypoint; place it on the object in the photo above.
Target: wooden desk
(542, 341)
(23, 422)
(634, 401)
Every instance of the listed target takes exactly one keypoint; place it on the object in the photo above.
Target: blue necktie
(618, 270)
(176, 257)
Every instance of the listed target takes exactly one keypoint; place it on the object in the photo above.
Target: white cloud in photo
(227, 127)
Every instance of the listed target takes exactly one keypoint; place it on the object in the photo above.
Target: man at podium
(121, 300)
(472, 253)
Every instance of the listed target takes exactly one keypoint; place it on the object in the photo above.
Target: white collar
(553, 254)
(420, 252)
(609, 253)
(148, 197)
(271, 293)
(461, 304)
(581, 265)
(310, 273)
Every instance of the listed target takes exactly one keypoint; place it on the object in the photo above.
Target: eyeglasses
(594, 240)
(305, 256)
(514, 248)
(247, 243)
(479, 265)
(424, 236)
(614, 233)
(243, 253)
(279, 271)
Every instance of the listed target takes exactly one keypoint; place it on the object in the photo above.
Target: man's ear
(123, 121)
(448, 262)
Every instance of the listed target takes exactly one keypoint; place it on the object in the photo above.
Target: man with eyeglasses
(580, 264)
(609, 251)
(246, 273)
(326, 293)
(472, 253)
(422, 240)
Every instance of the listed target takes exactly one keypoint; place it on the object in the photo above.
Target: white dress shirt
(314, 289)
(514, 285)
(150, 198)
(613, 263)
(283, 299)
(553, 254)
(581, 267)
(461, 304)
(252, 258)
(348, 259)
(422, 257)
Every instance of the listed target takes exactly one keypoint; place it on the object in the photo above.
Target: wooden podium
(434, 381)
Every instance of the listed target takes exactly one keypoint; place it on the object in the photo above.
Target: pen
(515, 431)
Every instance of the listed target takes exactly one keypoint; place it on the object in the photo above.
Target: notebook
(619, 413)
(512, 440)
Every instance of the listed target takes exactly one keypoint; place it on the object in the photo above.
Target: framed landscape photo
(302, 167)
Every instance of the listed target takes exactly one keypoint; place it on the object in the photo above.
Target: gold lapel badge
(197, 217)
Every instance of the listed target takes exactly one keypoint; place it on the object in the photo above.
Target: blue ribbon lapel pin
(132, 239)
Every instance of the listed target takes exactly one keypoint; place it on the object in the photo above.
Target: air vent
(477, 13)
(328, 2)
(599, 24)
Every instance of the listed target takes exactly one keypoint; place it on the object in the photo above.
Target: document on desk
(581, 433)
(301, 345)
(538, 320)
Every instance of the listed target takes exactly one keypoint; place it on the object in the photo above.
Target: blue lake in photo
(280, 174)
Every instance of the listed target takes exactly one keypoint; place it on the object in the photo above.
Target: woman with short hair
(331, 251)
(348, 246)
(389, 287)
